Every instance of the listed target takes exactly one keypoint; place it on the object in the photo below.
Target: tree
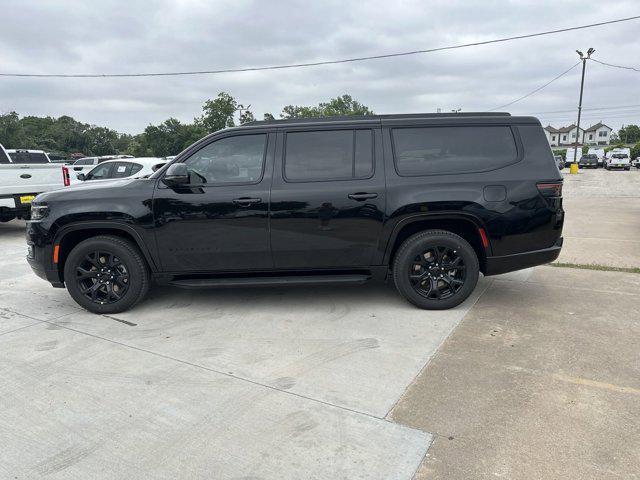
(246, 117)
(11, 131)
(344, 105)
(268, 117)
(168, 138)
(218, 113)
(635, 151)
(629, 134)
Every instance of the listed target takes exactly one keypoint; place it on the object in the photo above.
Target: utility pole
(584, 66)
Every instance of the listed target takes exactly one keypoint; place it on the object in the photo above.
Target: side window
(20, 157)
(123, 169)
(84, 161)
(237, 159)
(328, 155)
(441, 150)
(100, 172)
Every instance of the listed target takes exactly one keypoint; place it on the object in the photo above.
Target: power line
(537, 89)
(315, 64)
(591, 109)
(616, 66)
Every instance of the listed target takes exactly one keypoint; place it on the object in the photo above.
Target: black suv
(429, 200)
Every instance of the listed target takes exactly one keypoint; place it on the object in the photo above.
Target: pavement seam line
(213, 370)
(435, 352)
(20, 328)
(572, 286)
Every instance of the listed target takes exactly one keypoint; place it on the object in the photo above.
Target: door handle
(359, 196)
(246, 201)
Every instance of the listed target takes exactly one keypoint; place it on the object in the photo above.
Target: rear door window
(328, 155)
(443, 150)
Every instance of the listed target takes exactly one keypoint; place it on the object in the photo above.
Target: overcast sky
(68, 36)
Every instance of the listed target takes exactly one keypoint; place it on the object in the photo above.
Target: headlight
(38, 212)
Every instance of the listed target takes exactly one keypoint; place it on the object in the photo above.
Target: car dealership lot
(537, 375)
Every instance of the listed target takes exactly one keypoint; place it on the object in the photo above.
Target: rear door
(328, 198)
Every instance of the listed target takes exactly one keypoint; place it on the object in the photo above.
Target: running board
(270, 281)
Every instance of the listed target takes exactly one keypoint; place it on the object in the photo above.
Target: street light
(584, 59)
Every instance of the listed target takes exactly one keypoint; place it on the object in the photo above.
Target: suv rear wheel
(435, 269)
(106, 274)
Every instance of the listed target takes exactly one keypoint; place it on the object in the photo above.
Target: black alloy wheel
(435, 269)
(102, 277)
(438, 273)
(106, 274)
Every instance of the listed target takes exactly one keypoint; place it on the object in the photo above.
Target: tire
(115, 278)
(413, 268)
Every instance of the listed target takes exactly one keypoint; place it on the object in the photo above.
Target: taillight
(65, 176)
(550, 189)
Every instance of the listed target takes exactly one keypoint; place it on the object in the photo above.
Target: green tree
(218, 113)
(635, 151)
(168, 138)
(344, 105)
(11, 131)
(629, 134)
(246, 117)
(268, 117)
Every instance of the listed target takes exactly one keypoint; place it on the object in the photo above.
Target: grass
(603, 268)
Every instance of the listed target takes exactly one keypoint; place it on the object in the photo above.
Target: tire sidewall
(418, 244)
(136, 275)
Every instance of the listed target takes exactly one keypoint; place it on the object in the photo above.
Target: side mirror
(82, 177)
(177, 175)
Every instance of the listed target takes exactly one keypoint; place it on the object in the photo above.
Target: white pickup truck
(618, 158)
(24, 174)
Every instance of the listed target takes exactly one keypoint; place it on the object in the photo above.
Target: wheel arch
(71, 235)
(467, 226)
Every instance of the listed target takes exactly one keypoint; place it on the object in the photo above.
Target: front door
(328, 198)
(219, 221)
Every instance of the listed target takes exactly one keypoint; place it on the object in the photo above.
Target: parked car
(23, 175)
(589, 160)
(87, 163)
(599, 153)
(636, 162)
(427, 200)
(559, 161)
(618, 158)
(125, 168)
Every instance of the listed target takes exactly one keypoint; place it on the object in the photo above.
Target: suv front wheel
(435, 269)
(106, 274)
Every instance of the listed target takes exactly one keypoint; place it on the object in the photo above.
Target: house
(552, 134)
(564, 136)
(598, 134)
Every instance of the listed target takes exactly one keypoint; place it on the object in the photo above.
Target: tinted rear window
(440, 150)
(329, 155)
(27, 157)
(4, 158)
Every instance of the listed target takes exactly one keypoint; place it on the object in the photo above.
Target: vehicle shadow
(12, 227)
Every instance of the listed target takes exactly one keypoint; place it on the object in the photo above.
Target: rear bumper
(519, 261)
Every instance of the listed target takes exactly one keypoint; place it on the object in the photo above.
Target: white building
(598, 134)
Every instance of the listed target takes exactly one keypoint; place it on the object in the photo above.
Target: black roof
(372, 118)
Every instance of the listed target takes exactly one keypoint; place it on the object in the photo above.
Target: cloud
(143, 36)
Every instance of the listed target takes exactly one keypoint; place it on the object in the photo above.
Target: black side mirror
(82, 177)
(177, 175)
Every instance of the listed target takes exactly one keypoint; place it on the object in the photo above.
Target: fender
(418, 217)
(62, 232)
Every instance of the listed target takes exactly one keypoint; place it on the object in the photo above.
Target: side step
(270, 281)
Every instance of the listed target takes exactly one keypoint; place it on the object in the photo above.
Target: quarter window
(328, 155)
(237, 159)
(442, 150)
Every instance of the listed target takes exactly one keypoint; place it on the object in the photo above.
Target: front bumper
(520, 261)
(40, 256)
